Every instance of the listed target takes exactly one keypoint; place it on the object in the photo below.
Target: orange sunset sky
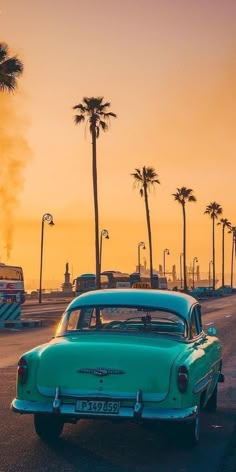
(168, 68)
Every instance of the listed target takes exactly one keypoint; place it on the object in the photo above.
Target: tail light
(22, 370)
(182, 378)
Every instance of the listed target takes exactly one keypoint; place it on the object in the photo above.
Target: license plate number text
(97, 407)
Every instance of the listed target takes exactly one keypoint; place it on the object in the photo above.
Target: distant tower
(67, 285)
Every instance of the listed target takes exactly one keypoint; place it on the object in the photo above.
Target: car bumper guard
(138, 410)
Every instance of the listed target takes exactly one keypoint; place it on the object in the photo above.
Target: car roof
(163, 299)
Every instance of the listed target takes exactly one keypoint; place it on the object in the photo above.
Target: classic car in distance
(123, 354)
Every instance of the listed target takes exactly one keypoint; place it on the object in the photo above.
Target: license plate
(97, 407)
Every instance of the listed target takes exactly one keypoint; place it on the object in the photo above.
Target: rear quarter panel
(203, 360)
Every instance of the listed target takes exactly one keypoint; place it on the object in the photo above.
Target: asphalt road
(92, 446)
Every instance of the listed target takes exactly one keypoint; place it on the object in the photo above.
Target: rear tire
(212, 402)
(48, 427)
(192, 431)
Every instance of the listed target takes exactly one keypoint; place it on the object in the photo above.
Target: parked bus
(117, 279)
(11, 284)
(158, 281)
(136, 277)
(86, 282)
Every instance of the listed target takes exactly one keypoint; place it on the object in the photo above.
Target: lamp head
(141, 244)
(49, 218)
(105, 233)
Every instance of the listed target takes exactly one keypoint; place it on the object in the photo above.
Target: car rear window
(123, 318)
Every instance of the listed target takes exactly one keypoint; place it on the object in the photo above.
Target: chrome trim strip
(110, 394)
(216, 362)
(148, 412)
(101, 371)
(203, 382)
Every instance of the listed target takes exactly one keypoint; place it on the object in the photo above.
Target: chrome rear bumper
(137, 411)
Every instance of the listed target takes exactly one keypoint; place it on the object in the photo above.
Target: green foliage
(10, 69)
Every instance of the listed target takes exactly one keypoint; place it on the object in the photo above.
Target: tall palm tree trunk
(223, 256)
(184, 250)
(95, 197)
(213, 253)
(232, 261)
(149, 232)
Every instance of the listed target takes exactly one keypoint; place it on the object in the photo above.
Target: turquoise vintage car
(123, 354)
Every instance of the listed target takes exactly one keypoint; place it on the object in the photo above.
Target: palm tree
(145, 179)
(233, 254)
(10, 69)
(95, 111)
(225, 224)
(214, 210)
(184, 195)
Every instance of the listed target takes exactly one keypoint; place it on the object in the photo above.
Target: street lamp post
(233, 231)
(46, 217)
(195, 259)
(165, 252)
(104, 234)
(141, 245)
(181, 269)
(209, 273)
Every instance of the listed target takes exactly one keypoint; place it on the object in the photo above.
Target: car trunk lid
(107, 363)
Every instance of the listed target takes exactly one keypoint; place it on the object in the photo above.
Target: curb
(21, 324)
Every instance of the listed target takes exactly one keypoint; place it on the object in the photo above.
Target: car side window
(73, 320)
(198, 317)
(194, 330)
(79, 319)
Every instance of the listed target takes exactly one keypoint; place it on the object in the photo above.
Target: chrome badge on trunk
(101, 371)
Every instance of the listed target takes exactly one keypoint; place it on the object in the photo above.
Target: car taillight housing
(182, 378)
(22, 370)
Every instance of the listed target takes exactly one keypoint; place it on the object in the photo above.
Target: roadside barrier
(10, 317)
(10, 311)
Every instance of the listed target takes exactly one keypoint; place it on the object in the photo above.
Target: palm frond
(80, 107)
(10, 69)
(145, 178)
(183, 195)
(94, 110)
(79, 118)
(7, 83)
(213, 209)
(103, 125)
(3, 51)
(114, 115)
(12, 66)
